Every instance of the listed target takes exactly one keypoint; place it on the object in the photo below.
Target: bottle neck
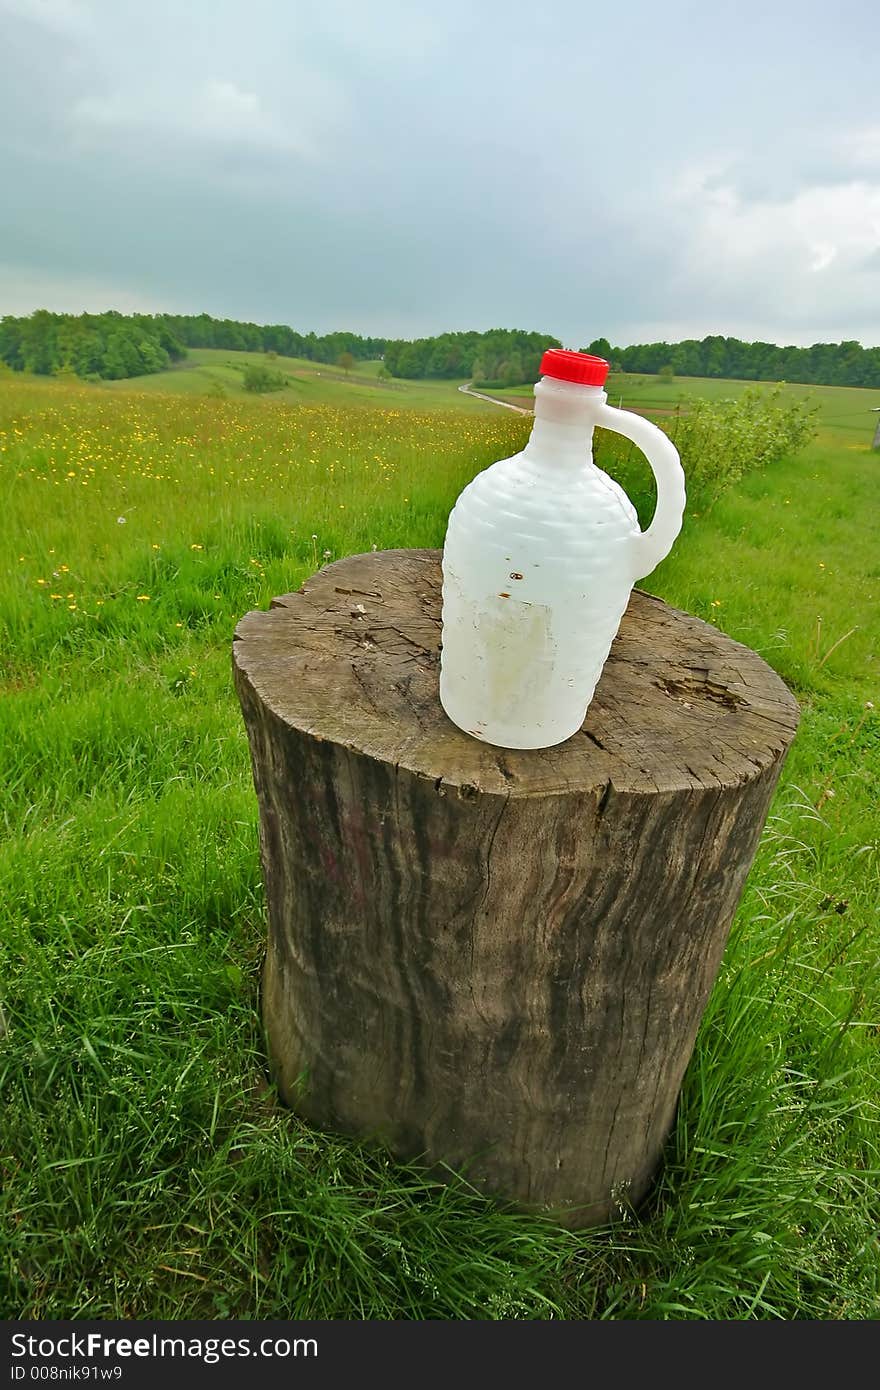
(565, 415)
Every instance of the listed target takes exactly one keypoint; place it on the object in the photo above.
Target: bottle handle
(653, 545)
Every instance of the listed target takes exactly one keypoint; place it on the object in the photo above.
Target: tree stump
(488, 959)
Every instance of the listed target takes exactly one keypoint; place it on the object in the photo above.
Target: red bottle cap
(575, 366)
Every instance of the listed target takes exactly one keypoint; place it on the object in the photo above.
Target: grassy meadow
(146, 1167)
(217, 372)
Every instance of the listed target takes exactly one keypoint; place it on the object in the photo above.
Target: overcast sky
(652, 170)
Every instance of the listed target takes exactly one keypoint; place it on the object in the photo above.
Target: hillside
(219, 371)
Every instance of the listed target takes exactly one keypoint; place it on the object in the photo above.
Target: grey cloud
(416, 168)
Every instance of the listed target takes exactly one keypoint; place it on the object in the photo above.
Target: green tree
(154, 358)
(121, 357)
(512, 371)
(600, 347)
(345, 361)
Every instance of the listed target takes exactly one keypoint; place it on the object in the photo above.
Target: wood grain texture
(492, 959)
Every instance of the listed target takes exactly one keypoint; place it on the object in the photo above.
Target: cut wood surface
(490, 959)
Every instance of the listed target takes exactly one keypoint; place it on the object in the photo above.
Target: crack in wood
(488, 869)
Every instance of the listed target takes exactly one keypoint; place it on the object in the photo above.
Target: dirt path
(646, 410)
(520, 410)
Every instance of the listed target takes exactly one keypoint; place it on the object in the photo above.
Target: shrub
(260, 379)
(718, 441)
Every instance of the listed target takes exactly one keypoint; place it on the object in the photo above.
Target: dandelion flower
(143, 598)
(195, 546)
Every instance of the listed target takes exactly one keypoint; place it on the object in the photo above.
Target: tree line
(201, 330)
(499, 357)
(111, 345)
(107, 346)
(826, 364)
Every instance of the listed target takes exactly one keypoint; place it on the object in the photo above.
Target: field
(840, 408)
(217, 372)
(146, 1167)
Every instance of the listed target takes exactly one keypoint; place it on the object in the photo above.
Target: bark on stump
(487, 959)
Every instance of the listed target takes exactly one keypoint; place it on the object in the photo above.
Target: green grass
(216, 371)
(146, 1168)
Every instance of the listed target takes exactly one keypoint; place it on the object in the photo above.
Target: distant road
(520, 410)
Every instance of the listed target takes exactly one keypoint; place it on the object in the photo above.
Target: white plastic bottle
(541, 554)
